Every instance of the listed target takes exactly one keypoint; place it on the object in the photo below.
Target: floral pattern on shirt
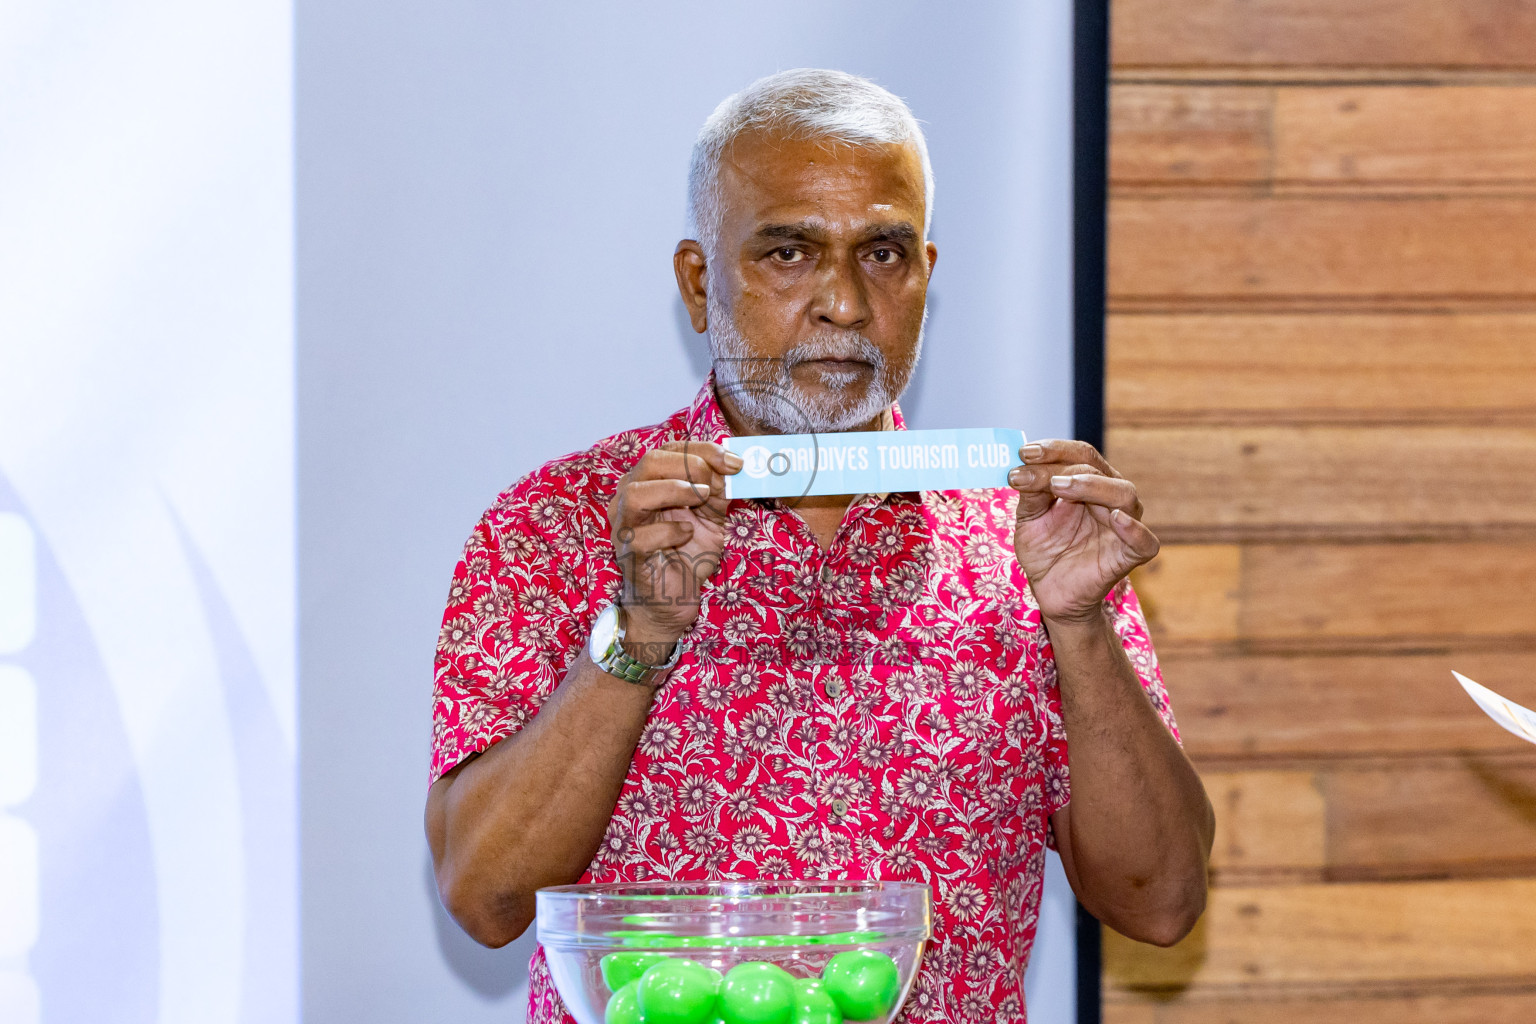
(886, 708)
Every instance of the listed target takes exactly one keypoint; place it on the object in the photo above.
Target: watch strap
(632, 670)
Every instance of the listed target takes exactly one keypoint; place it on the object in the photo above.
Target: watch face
(604, 633)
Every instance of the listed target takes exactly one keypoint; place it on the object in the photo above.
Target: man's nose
(841, 299)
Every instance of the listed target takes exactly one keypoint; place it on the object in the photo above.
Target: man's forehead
(772, 168)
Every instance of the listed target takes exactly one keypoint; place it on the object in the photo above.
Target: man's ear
(692, 281)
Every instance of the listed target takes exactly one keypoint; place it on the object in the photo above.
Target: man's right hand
(532, 809)
(667, 520)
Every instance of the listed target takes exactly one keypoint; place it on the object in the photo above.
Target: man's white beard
(765, 391)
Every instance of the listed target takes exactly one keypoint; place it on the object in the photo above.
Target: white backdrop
(147, 812)
(486, 196)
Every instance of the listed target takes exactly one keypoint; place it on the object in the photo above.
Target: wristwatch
(605, 648)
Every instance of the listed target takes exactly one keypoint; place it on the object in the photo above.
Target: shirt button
(835, 688)
(839, 807)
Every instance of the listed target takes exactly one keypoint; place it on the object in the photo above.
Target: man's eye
(788, 255)
(884, 255)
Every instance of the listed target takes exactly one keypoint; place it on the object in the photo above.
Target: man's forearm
(1140, 825)
(532, 810)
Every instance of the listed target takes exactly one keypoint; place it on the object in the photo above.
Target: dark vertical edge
(1090, 967)
(1090, 173)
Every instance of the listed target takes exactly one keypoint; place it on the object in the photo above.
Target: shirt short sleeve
(1131, 628)
(1130, 625)
(519, 609)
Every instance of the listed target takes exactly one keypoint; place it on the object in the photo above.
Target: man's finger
(1034, 486)
(646, 540)
(718, 508)
(1038, 453)
(1038, 478)
(1136, 535)
(662, 464)
(1094, 489)
(643, 498)
(1034, 501)
(721, 461)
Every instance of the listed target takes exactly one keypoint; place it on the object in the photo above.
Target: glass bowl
(598, 939)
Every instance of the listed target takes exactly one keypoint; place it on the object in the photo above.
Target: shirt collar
(706, 421)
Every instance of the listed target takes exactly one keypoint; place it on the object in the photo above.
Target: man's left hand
(1078, 531)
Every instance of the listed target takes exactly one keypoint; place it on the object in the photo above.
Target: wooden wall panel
(1385, 249)
(1322, 376)
(1188, 134)
(1193, 592)
(1264, 708)
(1483, 34)
(1478, 134)
(1321, 367)
(1397, 593)
(1268, 822)
(1458, 817)
(1391, 136)
(1312, 597)
(1373, 481)
(1128, 1009)
(1375, 819)
(1343, 934)
(1476, 1007)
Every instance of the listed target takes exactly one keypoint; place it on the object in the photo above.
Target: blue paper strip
(873, 462)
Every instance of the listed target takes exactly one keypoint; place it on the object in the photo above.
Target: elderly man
(638, 678)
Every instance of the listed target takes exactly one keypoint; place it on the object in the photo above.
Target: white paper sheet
(1518, 720)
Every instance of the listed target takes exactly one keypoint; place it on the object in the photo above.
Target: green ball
(624, 1006)
(863, 983)
(812, 991)
(828, 1014)
(757, 993)
(678, 992)
(619, 969)
(813, 1005)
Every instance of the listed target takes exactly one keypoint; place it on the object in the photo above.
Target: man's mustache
(854, 348)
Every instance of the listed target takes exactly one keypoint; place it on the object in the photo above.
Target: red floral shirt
(886, 708)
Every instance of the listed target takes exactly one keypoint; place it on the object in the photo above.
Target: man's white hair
(806, 103)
